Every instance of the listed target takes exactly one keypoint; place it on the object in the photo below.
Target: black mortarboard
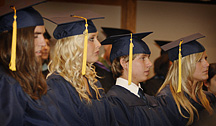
(161, 43)
(26, 15)
(15, 15)
(189, 46)
(70, 26)
(120, 44)
(115, 31)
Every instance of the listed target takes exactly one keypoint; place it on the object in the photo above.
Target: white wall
(171, 21)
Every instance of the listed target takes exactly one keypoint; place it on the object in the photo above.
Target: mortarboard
(183, 47)
(127, 44)
(26, 15)
(19, 14)
(114, 31)
(188, 46)
(120, 44)
(80, 22)
(161, 43)
(67, 25)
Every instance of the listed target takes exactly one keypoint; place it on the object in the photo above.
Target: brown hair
(116, 67)
(28, 70)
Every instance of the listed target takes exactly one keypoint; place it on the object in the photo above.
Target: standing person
(139, 109)
(211, 81)
(73, 81)
(161, 67)
(21, 81)
(45, 54)
(184, 98)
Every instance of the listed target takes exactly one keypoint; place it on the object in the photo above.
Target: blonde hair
(67, 61)
(188, 69)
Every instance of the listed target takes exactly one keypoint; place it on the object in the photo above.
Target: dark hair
(28, 70)
(212, 71)
(47, 35)
(161, 65)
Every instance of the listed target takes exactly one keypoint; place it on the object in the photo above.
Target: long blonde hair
(67, 61)
(188, 68)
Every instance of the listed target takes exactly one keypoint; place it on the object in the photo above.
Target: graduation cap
(115, 31)
(161, 43)
(183, 47)
(80, 22)
(19, 14)
(189, 46)
(127, 44)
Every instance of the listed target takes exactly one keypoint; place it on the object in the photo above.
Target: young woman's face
(45, 50)
(201, 71)
(140, 68)
(39, 40)
(93, 48)
(212, 85)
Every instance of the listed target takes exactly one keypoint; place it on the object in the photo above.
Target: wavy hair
(28, 70)
(67, 62)
(188, 69)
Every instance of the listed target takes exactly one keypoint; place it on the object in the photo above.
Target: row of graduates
(71, 95)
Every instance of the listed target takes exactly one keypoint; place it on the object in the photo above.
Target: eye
(91, 39)
(35, 36)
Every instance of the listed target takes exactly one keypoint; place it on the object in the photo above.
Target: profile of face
(140, 67)
(201, 71)
(93, 48)
(39, 40)
(45, 50)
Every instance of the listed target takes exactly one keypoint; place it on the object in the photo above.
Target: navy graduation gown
(167, 102)
(76, 111)
(17, 108)
(137, 111)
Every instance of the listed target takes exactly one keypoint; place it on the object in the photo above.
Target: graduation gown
(167, 102)
(105, 76)
(137, 111)
(17, 108)
(75, 111)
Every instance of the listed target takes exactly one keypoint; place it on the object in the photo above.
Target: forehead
(93, 34)
(143, 54)
(39, 29)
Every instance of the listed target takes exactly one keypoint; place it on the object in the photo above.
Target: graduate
(72, 80)
(103, 65)
(130, 66)
(182, 89)
(22, 86)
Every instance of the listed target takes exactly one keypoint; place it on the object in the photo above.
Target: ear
(124, 64)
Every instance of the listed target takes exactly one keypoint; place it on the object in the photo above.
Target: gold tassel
(85, 45)
(180, 73)
(12, 65)
(130, 61)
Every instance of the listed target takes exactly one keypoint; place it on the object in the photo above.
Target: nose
(42, 41)
(98, 44)
(206, 63)
(149, 63)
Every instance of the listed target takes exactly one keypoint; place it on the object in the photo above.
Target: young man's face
(39, 40)
(140, 68)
